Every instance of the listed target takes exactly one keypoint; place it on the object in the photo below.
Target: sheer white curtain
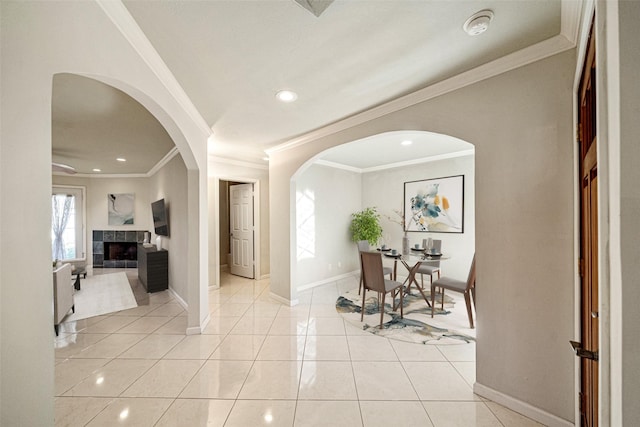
(62, 204)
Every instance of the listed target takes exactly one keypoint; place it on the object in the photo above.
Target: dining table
(412, 261)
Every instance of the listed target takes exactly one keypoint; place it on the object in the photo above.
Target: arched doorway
(112, 113)
(371, 172)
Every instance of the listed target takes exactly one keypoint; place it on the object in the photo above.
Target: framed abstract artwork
(121, 208)
(435, 205)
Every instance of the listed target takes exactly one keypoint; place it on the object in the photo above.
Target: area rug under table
(448, 326)
(102, 294)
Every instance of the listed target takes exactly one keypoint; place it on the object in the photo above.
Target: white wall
(385, 190)
(520, 123)
(326, 198)
(170, 184)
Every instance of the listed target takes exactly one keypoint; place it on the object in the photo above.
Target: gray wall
(618, 61)
(630, 206)
(170, 184)
(521, 125)
(223, 209)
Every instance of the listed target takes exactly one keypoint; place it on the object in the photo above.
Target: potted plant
(365, 225)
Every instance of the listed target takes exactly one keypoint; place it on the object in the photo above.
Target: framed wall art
(435, 205)
(121, 208)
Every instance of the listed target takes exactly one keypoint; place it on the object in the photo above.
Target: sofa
(62, 294)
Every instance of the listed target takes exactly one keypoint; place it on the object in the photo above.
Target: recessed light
(286, 95)
(406, 142)
(266, 159)
(120, 159)
(97, 170)
(478, 23)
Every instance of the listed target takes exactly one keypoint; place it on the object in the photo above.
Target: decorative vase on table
(405, 244)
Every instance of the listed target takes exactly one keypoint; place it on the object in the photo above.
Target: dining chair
(363, 246)
(467, 288)
(372, 272)
(431, 267)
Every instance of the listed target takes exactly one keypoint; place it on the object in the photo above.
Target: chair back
(372, 271)
(363, 246)
(471, 280)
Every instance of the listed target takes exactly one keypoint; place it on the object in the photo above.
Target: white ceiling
(231, 57)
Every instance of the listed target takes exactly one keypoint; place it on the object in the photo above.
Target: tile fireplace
(116, 248)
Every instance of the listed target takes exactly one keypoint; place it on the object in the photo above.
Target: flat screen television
(160, 218)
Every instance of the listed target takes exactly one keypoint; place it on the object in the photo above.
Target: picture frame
(121, 208)
(434, 205)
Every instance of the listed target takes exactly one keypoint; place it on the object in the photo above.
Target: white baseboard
(197, 330)
(265, 276)
(282, 300)
(224, 267)
(520, 407)
(325, 281)
(179, 299)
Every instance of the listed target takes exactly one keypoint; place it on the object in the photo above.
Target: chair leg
(382, 309)
(364, 293)
(473, 294)
(360, 285)
(442, 299)
(467, 300)
(433, 298)
(401, 303)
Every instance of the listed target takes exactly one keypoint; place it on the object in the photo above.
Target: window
(67, 223)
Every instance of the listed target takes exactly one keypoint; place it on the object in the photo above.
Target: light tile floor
(259, 363)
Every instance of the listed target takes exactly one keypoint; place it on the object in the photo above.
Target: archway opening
(377, 171)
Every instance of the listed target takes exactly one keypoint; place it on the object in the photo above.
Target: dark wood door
(589, 241)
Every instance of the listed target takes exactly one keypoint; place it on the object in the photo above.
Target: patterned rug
(448, 326)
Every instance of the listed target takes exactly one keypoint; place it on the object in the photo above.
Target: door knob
(595, 314)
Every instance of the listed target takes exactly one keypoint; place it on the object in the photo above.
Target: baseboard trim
(179, 299)
(325, 281)
(265, 276)
(520, 407)
(284, 301)
(197, 330)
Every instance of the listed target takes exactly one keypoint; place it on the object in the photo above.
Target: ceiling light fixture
(478, 23)
(266, 159)
(286, 95)
(406, 142)
(120, 159)
(97, 170)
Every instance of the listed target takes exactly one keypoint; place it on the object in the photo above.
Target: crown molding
(570, 17)
(528, 55)
(166, 159)
(110, 175)
(336, 165)
(122, 19)
(421, 160)
(235, 162)
(437, 158)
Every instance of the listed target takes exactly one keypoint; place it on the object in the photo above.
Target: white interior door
(241, 233)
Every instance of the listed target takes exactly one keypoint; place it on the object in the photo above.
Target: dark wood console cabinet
(153, 268)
